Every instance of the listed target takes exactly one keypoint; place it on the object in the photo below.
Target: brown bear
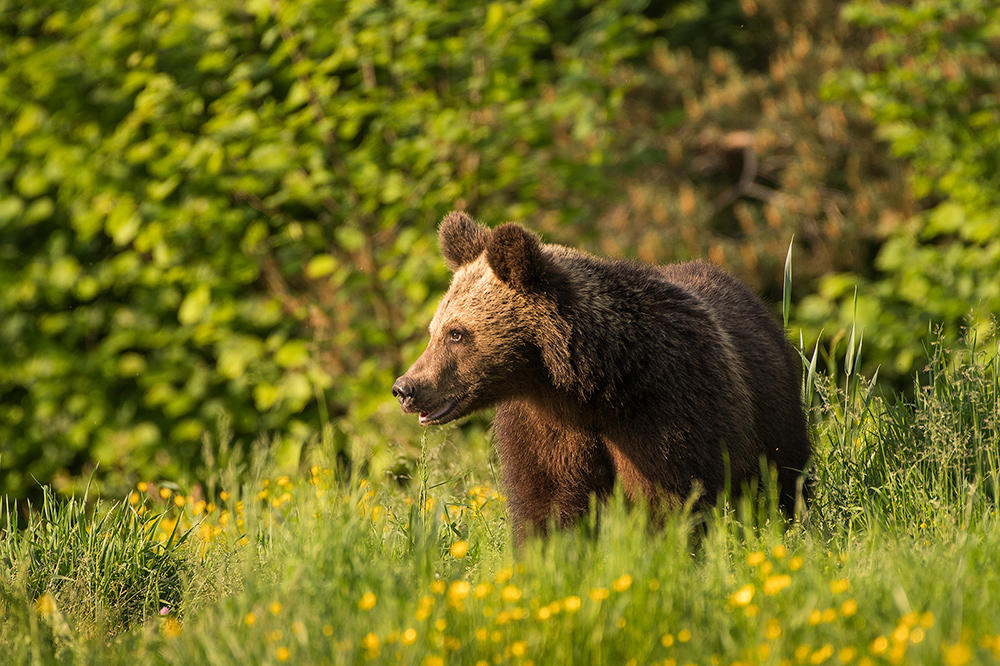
(671, 379)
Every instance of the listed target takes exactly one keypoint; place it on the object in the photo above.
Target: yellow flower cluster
(507, 620)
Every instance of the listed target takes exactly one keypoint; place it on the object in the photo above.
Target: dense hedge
(225, 210)
(217, 218)
(932, 86)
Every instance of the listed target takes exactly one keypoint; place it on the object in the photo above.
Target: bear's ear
(461, 239)
(515, 255)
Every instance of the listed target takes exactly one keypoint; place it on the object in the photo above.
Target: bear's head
(497, 331)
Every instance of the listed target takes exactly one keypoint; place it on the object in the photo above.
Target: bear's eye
(454, 335)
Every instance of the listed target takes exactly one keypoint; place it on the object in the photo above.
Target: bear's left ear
(461, 239)
(515, 256)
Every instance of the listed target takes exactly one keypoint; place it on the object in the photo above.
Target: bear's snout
(403, 391)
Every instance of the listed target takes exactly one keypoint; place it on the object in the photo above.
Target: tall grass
(895, 563)
(912, 467)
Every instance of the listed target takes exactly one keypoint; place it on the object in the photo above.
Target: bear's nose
(403, 391)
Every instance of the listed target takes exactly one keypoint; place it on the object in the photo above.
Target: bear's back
(772, 368)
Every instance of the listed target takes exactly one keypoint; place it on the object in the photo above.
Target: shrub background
(216, 219)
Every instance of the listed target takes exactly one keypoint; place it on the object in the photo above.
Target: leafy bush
(931, 84)
(226, 211)
(727, 158)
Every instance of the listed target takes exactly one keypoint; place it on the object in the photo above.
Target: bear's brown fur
(667, 378)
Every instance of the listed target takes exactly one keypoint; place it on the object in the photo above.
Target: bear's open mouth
(438, 414)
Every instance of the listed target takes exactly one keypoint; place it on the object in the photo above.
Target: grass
(896, 562)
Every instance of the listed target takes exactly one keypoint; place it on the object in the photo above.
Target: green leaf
(194, 305)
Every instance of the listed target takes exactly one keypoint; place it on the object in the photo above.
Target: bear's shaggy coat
(668, 378)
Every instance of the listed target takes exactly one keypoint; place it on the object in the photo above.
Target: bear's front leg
(550, 470)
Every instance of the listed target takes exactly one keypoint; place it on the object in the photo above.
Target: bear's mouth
(437, 416)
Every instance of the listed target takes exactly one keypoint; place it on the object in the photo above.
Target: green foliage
(727, 158)
(931, 84)
(226, 210)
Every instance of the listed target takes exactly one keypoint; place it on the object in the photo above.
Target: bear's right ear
(461, 239)
(515, 255)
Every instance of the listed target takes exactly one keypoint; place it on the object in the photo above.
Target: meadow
(895, 562)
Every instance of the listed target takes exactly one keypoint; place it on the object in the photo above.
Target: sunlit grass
(896, 563)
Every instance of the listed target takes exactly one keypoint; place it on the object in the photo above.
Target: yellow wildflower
(282, 653)
(599, 593)
(457, 592)
(367, 602)
(46, 605)
(622, 583)
(849, 608)
(775, 584)
(957, 654)
(684, 635)
(409, 636)
(821, 655)
(275, 607)
(756, 559)
(459, 549)
(839, 585)
(370, 642)
(171, 628)
(510, 594)
(847, 654)
(250, 619)
(772, 629)
(742, 596)
(572, 604)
